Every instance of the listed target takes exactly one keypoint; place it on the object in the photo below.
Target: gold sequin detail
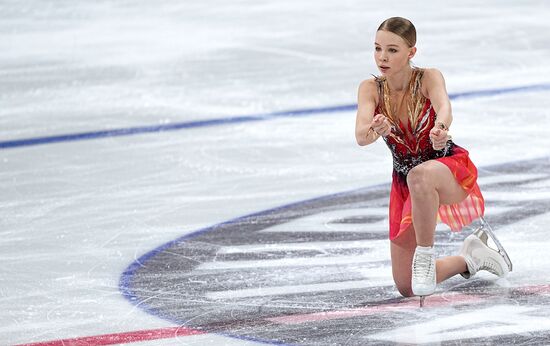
(415, 103)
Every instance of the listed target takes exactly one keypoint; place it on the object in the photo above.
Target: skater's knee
(405, 290)
(403, 284)
(418, 178)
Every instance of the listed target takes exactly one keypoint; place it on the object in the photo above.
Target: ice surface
(75, 215)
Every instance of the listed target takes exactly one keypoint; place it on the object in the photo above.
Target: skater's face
(391, 52)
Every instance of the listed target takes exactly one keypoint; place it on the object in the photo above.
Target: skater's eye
(393, 50)
(377, 48)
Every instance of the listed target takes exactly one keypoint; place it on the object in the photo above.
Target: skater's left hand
(439, 138)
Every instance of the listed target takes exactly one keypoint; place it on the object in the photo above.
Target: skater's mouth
(383, 68)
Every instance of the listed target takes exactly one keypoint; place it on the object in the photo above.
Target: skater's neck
(400, 80)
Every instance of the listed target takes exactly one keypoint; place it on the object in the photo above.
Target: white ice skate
(423, 272)
(479, 256)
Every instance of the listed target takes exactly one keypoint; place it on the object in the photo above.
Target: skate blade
(484, 233)
(422, 299)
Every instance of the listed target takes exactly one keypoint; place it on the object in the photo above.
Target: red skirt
(455, 216)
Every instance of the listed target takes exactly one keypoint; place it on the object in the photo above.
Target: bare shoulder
(431, 75)
(368, 85)
(432, 79)
(368, 90)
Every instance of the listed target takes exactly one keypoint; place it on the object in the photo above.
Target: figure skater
(432, 176)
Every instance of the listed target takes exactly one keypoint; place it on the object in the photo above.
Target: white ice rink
(76, 213)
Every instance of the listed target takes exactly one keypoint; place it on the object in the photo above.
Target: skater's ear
(412, 52)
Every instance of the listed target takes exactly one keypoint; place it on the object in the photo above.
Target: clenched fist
(381, 125)
(439, 138)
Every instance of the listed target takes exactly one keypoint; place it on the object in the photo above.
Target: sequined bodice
(410, 143)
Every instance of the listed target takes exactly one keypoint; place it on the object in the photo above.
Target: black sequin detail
(402, 164)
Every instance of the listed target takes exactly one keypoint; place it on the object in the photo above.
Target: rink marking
(380, 226)
(535, 289)
(410, 304)
(128, 274)
(502, 319)
(130, 131)
(508, 178)
(328, 222)
(295, 289)
(125, 337)
(288, 262)
(517, 196)
(320, 246)
(175, 332)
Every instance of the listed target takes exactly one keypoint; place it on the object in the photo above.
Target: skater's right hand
(381, 125)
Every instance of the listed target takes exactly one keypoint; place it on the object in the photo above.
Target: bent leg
(402, 252)
(431, 184)
(447, 267)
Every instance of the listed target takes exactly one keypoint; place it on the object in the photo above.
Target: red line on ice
(370, 310)
(535, 289)
(173, 332)
(127, 337)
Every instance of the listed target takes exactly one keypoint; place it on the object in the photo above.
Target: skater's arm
(433, 85)
(366, 104)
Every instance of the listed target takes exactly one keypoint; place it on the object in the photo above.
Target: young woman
(432, 177)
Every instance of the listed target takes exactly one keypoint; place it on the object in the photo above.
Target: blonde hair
(402, 27)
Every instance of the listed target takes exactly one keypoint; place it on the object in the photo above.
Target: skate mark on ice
(323, 265)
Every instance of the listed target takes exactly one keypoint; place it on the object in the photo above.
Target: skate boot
(479, 256)
(423, 272)
(485, 232)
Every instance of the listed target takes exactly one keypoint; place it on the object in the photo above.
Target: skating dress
(410, 145)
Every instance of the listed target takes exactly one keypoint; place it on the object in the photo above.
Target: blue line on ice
(237, 119)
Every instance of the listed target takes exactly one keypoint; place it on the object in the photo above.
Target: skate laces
(423, 266)
(491, 266)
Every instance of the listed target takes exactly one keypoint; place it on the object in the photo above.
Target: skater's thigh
(402, 252)
(440, 176)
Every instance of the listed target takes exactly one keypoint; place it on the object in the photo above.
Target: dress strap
(416, 86)
(379, 84)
